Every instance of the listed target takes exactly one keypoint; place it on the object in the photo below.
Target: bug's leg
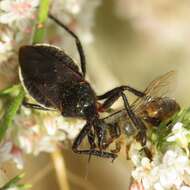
(86, 129)
(135, 120)
(77, 41)
(112, 96)
(91, 140)
(119, 89)
(139, 124)
(35, 106)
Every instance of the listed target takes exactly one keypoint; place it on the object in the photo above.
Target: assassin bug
(53, 79)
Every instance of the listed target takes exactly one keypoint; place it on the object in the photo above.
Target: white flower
(164, 172)
(5, 151)
(158, 186)
(9, 151)
(74, 6)
(17, 10)
(185, 188)
(180, 135)
(43, 131)
(6, 44)
(17, 157)
(136, 186)
(134, 153)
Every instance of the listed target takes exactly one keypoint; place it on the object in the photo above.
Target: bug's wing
(157, 88)
(43, 70)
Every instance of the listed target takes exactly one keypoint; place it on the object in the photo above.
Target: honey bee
(151, 110)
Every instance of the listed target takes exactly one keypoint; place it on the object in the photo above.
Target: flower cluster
(169, 167)
(16, 18)
(36, 132)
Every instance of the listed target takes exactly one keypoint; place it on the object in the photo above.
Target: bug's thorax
(78, 99)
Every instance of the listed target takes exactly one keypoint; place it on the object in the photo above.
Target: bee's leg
(117, 147)
(85, 131)
(112, 96)
(114, 133)
(77, 41)
(35, 106)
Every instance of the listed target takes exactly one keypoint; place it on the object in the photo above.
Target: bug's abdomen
(43, 70)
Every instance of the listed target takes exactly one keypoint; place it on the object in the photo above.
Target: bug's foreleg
(119, 89)
(91, 140)
(85, 131)
(113, 95)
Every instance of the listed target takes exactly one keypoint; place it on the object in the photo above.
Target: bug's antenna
(77, 40)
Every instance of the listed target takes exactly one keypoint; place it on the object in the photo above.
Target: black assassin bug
(53, 79)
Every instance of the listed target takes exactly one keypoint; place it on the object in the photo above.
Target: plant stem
(40, 25)
(60, 169)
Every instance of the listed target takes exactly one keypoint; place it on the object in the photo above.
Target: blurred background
(135, 41)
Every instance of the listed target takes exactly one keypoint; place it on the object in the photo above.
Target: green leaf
(9, 90)
(13, 183)
(11, 112)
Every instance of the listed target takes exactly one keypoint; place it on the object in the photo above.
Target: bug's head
(86, 102)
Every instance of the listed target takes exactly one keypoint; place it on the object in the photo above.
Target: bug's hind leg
(142, 137)
(85, 131)
(77, 41)
(34, 106)
(135, 120)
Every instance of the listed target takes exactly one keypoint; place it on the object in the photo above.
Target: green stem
(11, 112)
(39, 34)
(40, 25)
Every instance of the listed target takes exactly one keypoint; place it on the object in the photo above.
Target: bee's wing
(161, 85)
(157, 88)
